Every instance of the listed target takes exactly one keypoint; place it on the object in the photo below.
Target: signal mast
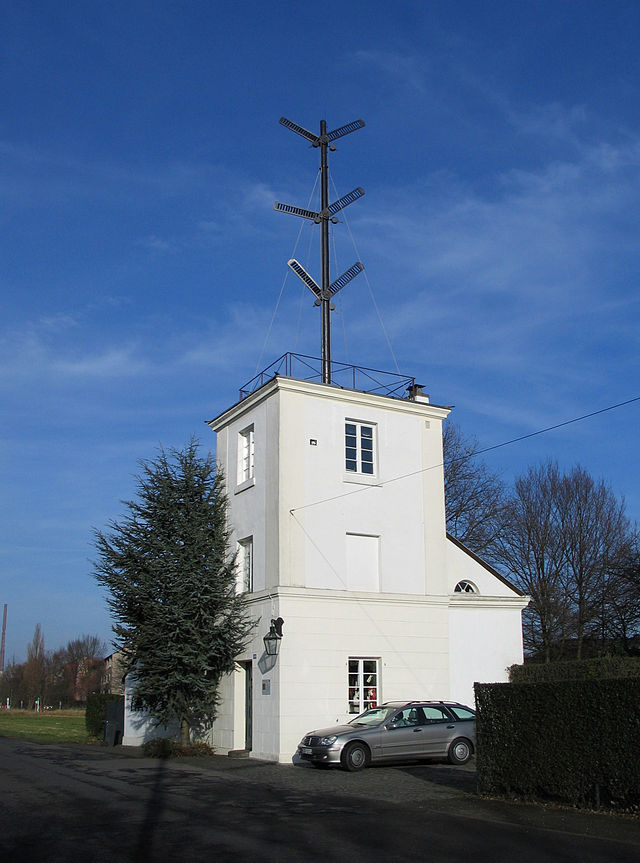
(328, 289)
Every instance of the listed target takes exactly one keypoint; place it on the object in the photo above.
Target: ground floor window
(364, 689)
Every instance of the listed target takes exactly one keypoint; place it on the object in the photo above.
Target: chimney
(416, 394)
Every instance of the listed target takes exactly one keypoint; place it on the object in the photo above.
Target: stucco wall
(308, 683)
(485, 639)
(303, 503)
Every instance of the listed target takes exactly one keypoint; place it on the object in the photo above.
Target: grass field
(49, 726)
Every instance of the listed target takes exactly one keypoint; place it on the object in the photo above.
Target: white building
(336, 502)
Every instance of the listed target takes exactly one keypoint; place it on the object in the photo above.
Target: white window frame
(363, 683)
(357, 462)
(246, 456)
(466, 586)
(244, 563)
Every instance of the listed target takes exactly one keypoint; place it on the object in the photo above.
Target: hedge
(95, 715)
(570, 741)
(602, 667)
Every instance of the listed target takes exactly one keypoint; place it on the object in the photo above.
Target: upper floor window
(245, 565)
(359, 441)
(245, 455)
(465, 587)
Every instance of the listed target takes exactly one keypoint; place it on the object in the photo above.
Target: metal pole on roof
(324, 226)
(326, 290)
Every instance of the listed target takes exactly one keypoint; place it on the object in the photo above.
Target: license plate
(306, 750)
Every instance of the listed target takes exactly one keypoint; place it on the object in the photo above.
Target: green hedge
(573, 741)
(163, 747)
(603, 667)
(95, 714)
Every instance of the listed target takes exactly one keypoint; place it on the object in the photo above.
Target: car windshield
(375, 716)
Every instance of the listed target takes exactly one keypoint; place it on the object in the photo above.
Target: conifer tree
(171, 578)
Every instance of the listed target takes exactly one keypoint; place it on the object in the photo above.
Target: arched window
(465, 587)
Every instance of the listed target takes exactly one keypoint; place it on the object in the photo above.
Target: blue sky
(141, 260)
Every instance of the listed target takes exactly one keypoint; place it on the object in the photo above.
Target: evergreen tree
(171, 578)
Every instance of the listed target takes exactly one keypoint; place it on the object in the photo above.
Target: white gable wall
(485, 639)
(485, 628)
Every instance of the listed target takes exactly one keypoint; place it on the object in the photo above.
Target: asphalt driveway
(64, 803)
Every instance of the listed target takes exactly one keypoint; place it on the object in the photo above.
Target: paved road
(63, 803)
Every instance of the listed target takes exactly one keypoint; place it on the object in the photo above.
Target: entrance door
(248, 705)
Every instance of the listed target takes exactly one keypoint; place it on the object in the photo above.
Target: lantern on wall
(273, 638)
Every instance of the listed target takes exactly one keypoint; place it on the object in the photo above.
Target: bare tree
(474, 496)
(83, 665)
(532, 550)
(620, 616)
(596, 534)
(566, 541)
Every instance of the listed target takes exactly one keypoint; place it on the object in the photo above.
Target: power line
(472, 455)
(558, 425)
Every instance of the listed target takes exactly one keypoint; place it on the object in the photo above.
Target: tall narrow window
(359, 441)
(245, 455)
(363, 684)
(245, 565)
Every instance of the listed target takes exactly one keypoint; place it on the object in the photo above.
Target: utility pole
(4, 633)
(327, 214)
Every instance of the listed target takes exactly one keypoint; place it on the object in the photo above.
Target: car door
(403, 733)
(440, 729)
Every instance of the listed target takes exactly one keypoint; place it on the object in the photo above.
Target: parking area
(414, 782)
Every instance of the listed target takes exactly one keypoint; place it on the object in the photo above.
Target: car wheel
(355, 756)
(460, 751)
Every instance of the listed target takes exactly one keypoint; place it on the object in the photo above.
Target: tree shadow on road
(144, 852)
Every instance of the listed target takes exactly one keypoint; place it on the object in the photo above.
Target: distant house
(112, 674)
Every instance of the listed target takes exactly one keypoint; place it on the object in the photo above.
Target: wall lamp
(273, 637)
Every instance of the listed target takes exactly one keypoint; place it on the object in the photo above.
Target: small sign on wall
(266, 687)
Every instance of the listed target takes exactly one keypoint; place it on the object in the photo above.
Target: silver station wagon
(393, 731)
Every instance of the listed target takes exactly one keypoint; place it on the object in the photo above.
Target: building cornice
(474, 600)
(457, 600)
(331, 392)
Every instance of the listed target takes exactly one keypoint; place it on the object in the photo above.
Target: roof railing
(343, 376)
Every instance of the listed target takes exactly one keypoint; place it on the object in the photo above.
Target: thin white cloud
(118, 362)
(551, 120)
(56, 323)
(405, 70)
(40, 176)
(158, 245)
